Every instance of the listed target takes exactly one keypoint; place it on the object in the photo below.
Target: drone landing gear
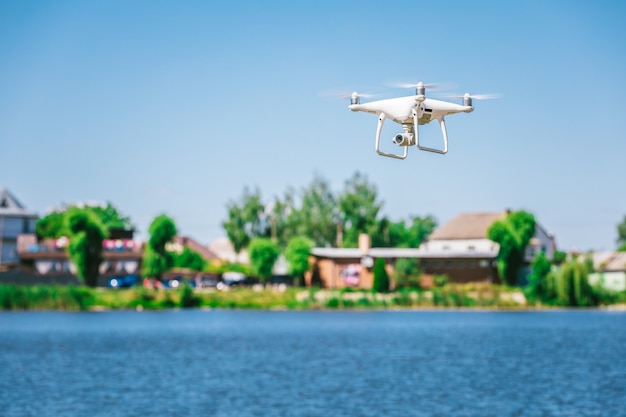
(381, 121)
(410, 137)
(442, 123)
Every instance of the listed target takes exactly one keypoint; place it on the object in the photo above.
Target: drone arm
(381, 121)
(442, 123)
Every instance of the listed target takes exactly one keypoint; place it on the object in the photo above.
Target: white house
(14, 221)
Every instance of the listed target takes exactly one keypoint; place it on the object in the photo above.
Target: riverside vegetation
(70, 298)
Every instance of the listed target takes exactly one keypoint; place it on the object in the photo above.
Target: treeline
(566, 283)
(325, 217)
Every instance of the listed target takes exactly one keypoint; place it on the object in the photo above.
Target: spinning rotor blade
(477, 96)
(429, 86)
(344, 94)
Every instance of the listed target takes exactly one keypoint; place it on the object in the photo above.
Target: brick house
(458, 249)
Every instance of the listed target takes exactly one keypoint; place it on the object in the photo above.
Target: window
(460, 264)
(449, 264)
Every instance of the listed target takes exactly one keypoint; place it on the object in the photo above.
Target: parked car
(124, 281)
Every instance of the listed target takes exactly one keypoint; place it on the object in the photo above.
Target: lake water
(256, 363)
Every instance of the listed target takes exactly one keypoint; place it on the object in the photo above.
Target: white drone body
(410, 112)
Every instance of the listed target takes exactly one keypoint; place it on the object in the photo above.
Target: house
(351, 267)
(181, 242)
(48, 258)
(224, 250)
(15, 219)
(610, 270)
(459, 249)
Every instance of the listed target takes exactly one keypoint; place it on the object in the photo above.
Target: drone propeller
(420, 87)
(476, 96)
(467, 97)
(353, 96)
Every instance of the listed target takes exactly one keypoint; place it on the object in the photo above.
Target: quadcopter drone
(410, 112)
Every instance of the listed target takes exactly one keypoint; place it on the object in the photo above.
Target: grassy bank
(69, 298)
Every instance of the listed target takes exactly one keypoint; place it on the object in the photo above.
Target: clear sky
(175, 107)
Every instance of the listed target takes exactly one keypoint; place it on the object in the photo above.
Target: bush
(381, 278)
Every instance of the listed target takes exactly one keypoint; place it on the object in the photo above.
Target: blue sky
(175, 107)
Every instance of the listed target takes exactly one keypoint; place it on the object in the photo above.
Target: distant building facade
(15, 220)
(459, 249)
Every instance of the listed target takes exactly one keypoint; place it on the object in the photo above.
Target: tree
(407, 273)
(541, 268)
(402, 234)
(381, 278)
(86, 234)
(359, 206)
(245, 220)
(263, 254)
(512, 234)
(53, 225)
(573, 287)
(190, 259)
(297, 255)
(157, 259)
(318, 217)
(621, 233)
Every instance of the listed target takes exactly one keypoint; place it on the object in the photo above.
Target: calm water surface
(250, 363)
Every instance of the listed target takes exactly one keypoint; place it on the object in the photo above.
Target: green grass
(69, 298)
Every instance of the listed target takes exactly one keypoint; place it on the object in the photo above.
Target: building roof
(10, 206)
(610, 261)
(192, 244)
(420, 253)
(467, 226)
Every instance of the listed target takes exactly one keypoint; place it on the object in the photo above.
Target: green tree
(359, 205)
(621, 235)
(573, 287)
(190, 259)
(403, 234)
(282, 219)
(512, 234)
(541, 268)
(297, 255)
(54, 224)
(381, 277)
(263, 254)
(246, 220)
(86, 234)
(407, 273)
(318, 217)
(157, 259)
(558, 257)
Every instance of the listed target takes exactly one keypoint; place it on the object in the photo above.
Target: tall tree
(86, 234)
(54, 224)
(246, 220)
(263, 254)
(512, 234)
(318, 217)
(297, 255)
(156, 258)
(359, 205)
(621, 235)
(381, 277)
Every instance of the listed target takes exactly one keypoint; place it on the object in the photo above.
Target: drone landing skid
(411, 130)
